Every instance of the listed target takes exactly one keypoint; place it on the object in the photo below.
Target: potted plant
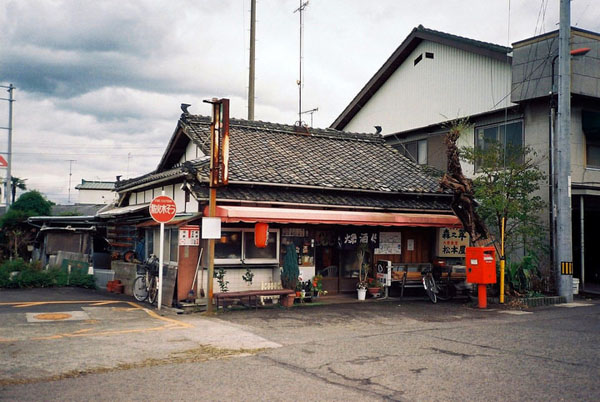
(374, 287)
(363, 271)
(299, 287)
(290, 273)
(248, 276)
(317, 286)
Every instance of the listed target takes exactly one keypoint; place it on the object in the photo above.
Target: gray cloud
(101, 81)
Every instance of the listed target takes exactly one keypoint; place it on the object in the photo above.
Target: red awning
(234, 214)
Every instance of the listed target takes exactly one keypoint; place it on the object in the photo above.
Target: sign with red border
(162, 209)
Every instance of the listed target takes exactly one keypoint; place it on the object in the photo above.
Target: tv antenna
(299, 81)
(311, 112)
(70, 174)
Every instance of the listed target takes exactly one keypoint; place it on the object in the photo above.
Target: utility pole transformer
(564, 242)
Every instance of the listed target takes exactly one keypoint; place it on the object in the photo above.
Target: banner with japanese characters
(452, 242)
(350, 240)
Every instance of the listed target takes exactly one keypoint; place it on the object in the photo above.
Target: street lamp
(552, 160)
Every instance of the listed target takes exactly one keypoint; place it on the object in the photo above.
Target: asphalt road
(411, 350)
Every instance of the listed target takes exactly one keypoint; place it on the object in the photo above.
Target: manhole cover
(57, 316)
(53, 316)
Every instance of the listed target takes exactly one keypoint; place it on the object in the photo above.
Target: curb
(543, 301)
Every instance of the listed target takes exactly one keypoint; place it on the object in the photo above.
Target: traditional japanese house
(325, 190)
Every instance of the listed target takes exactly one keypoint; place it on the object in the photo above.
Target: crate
(103, 276)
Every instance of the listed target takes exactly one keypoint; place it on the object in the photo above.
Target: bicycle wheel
(429, 285)
(140, 289)
(445, 291)
(152, 290)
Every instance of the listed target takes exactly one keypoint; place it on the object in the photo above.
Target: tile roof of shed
(95, 185)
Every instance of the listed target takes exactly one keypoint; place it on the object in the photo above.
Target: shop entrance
(327, 260)
(591, 221)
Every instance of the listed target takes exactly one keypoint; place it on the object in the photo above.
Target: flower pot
(303, 294)
(362, 294)
(287, 301)
(374, 291)
(298, 293)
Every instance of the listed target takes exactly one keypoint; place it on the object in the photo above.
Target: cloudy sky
(100, 82)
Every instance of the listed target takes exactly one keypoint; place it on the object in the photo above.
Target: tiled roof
(95, 185)
(275, 195)
(79, 209)
(179, 170)
(263, 152)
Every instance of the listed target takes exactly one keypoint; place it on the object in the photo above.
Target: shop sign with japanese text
(452, 242)
(189, 235)
(352, 239)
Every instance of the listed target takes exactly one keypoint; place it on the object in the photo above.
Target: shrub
(33, 276)
(290, 272)
(14, 265)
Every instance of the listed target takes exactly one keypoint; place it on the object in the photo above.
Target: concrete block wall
(125, 272)
(237, 284)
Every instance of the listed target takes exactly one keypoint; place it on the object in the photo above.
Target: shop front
(326, 242)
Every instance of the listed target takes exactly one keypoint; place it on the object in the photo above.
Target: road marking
(169, 323)
(40, 303)
(57, 316)
(515, 312)
(53, 316)
(574, 304)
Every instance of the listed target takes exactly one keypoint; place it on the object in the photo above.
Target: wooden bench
(409, 275)
(252, 295)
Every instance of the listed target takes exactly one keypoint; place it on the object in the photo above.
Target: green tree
(16, 232)
(506, 186)
(34, 203)
(16, 183)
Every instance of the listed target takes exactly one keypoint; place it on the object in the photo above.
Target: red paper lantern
(261, 234)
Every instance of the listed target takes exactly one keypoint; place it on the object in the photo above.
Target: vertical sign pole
(502, 262)
(160, 260)
(211, 251)
(212, 203)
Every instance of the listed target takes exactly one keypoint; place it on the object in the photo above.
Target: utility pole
(8, 184)
(70, 174)
(564, 244)
(252, 60)
(299, 81)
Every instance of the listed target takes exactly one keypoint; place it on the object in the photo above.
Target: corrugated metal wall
(455, 83)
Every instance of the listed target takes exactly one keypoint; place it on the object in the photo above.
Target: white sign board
(384, 272)
(389, 243)
(211, 228)
(189, 235)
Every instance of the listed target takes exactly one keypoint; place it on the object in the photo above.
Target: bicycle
(435, 287)
(145, 285)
